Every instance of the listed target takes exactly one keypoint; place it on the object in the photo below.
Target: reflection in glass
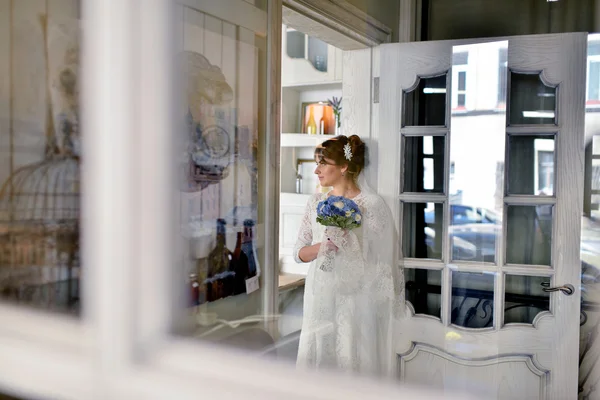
(473, 231)
(472, 299)
(424, 164)
(221, 139)
(426, 104)
(531, 165)
(422, 230)
(531, 101)
(40, 175)
(477, 141)
(423, 290)
(529, 235)
(524, 298)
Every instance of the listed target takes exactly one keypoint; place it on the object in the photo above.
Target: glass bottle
(311, 125)
(320, 63)
(218, 265)
(249, 248)
(195, 290)
(239, 266)
(298, 183)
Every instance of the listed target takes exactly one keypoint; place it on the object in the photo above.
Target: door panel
(488, 374)
(489, 218)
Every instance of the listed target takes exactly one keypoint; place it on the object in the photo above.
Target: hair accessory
(347, 152)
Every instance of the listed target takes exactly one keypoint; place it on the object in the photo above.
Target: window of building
(593, 70)
(459, 81)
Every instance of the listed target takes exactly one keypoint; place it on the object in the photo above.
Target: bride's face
(328, 172)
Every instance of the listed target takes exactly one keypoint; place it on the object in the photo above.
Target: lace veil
(367, 259)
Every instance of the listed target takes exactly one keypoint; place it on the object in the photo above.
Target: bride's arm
(308, 253)
(304, 250)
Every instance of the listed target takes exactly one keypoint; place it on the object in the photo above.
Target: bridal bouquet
(339, 212)
(340, 215)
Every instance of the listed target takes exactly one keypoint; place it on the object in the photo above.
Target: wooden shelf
(302, 139)
(290, 281)
(330, 85)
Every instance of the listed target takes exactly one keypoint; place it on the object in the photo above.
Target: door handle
(567, 289)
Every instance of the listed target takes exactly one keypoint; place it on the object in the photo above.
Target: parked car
(473, 232)
(463, 215)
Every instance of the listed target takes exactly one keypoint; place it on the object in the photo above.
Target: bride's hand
(337, 236)
(310, 253)
(329, 246)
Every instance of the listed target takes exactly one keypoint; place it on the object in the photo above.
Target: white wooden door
(481, 158)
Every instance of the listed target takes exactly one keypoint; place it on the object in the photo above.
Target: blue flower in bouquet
(340, 212)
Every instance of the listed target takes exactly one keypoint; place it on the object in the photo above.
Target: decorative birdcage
(39, 233)
(40, 202)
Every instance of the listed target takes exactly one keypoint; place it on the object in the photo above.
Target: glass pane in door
(524, 298)
(424, 164)
(425, 105)
(532, 102)
(477, 140)
(422, 230)
(529, 235)
(531, 165)
(472, 299)
(423, 290)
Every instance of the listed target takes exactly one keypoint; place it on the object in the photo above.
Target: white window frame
(121, 347)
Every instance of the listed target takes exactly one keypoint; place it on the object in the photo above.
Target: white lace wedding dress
(353, 296)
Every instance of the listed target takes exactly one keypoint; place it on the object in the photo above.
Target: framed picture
(306, 168)
(323, 119)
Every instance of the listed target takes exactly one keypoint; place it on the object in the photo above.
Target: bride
(354, 289)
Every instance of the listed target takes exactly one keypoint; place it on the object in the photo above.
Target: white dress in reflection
(352, 297)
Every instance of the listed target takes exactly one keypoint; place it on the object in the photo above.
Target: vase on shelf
(299, 183)
(338, 125)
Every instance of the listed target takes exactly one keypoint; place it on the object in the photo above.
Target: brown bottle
(249, 248)
(239, 265)
(218, 266)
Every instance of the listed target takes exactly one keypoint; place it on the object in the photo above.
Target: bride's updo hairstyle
(333, 149)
